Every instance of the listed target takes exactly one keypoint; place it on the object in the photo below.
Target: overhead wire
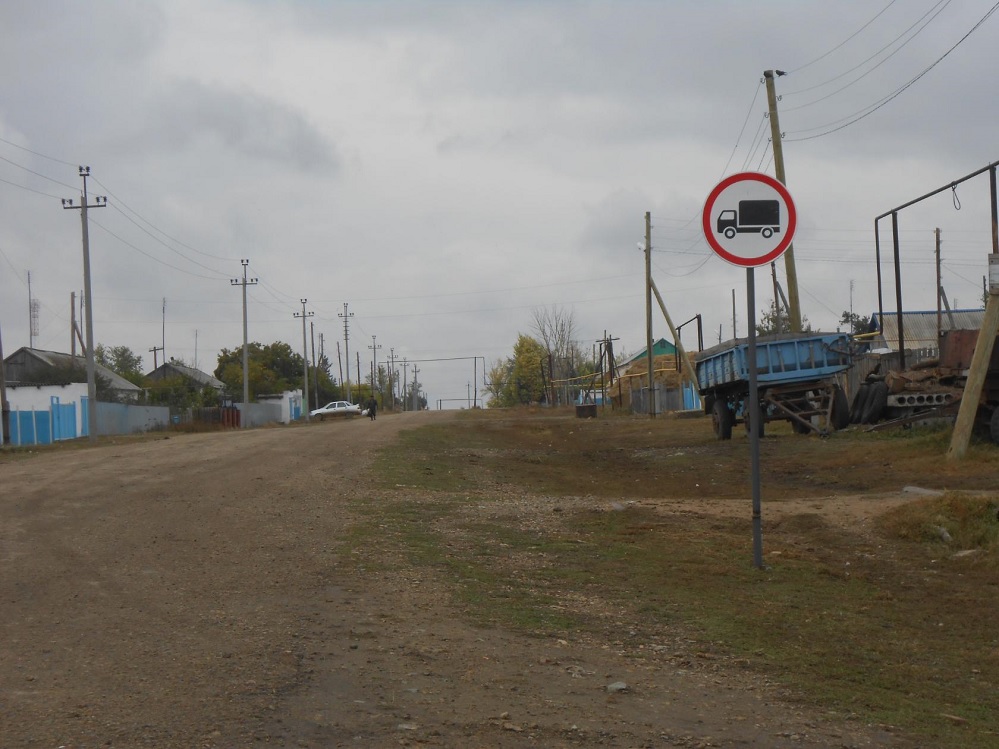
(37, 153)
(148, 223)
(153, 257)
(838, 46)
(31, 189)
(39, 174)
(943, 3)
(871, 109)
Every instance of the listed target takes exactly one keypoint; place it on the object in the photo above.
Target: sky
(442, 170)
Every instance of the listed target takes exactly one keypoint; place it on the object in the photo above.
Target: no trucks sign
(749, 219)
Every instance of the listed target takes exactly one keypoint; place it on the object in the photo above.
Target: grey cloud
(254, 126)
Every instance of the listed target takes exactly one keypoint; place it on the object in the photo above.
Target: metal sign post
(749, 220)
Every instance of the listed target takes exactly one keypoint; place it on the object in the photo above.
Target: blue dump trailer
(796, 376)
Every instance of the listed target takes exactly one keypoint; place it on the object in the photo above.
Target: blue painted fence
(44, 427)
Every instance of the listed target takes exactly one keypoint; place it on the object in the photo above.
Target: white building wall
(39, 398)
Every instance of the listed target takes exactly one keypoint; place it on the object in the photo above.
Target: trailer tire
(722, 419)
(874, 406)
(857, 411)
(839, 415)
(994, 426)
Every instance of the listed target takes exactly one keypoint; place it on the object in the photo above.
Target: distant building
(28, 366)
(919, 329)
(662, 347)
(172, 369)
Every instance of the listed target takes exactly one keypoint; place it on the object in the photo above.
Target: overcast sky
(444, 168)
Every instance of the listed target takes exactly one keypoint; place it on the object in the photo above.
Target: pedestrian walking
(372, 407)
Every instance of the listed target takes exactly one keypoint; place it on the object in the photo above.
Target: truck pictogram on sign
(749, 219)
(759, 216)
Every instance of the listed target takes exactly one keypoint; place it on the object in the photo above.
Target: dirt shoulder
(200, 590)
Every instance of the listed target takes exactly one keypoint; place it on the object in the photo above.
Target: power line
(160, 241)
(36, 153)
(861, 114)
(39, 174)
(29, 189)
(157, 229)
(825, 55)
(875, 67)
(154, 258)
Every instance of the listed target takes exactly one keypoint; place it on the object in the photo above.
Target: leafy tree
(273, 368)
(771, 317)
(854, 323)
(122, 361)
(180, 393)
(518, 380)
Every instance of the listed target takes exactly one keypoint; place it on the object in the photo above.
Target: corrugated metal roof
(920, 328)
(57, 359)
(173, 368)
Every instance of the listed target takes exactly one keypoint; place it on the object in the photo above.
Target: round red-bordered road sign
(749, 219)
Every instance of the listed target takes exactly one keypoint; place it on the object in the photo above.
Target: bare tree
(556, 329)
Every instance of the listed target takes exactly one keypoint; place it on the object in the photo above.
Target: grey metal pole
(755, 417)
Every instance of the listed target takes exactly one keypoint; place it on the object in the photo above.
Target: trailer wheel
(767, 232)
(857, 411)
(874, 406)
(994, 426)
(722, 419)
(839, 416)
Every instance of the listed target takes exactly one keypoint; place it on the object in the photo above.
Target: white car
(336, 408)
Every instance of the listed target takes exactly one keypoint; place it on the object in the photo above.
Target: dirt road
(195, 591)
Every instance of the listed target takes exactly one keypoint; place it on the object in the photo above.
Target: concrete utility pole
(391, 390)
(346, 345)
(374, 366)
(936, 233)
(315, 371)
(405, 374)
(305, 358)
(99, 202)
(4, 405)
(794, 311)
(163, 334)
(245, 416)
(648, 313)
(416, 388)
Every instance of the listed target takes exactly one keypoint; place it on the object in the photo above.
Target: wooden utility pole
(794, 311)
(676, 337)
(968, 409)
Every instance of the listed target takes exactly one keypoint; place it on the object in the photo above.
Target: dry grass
(547, 523)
